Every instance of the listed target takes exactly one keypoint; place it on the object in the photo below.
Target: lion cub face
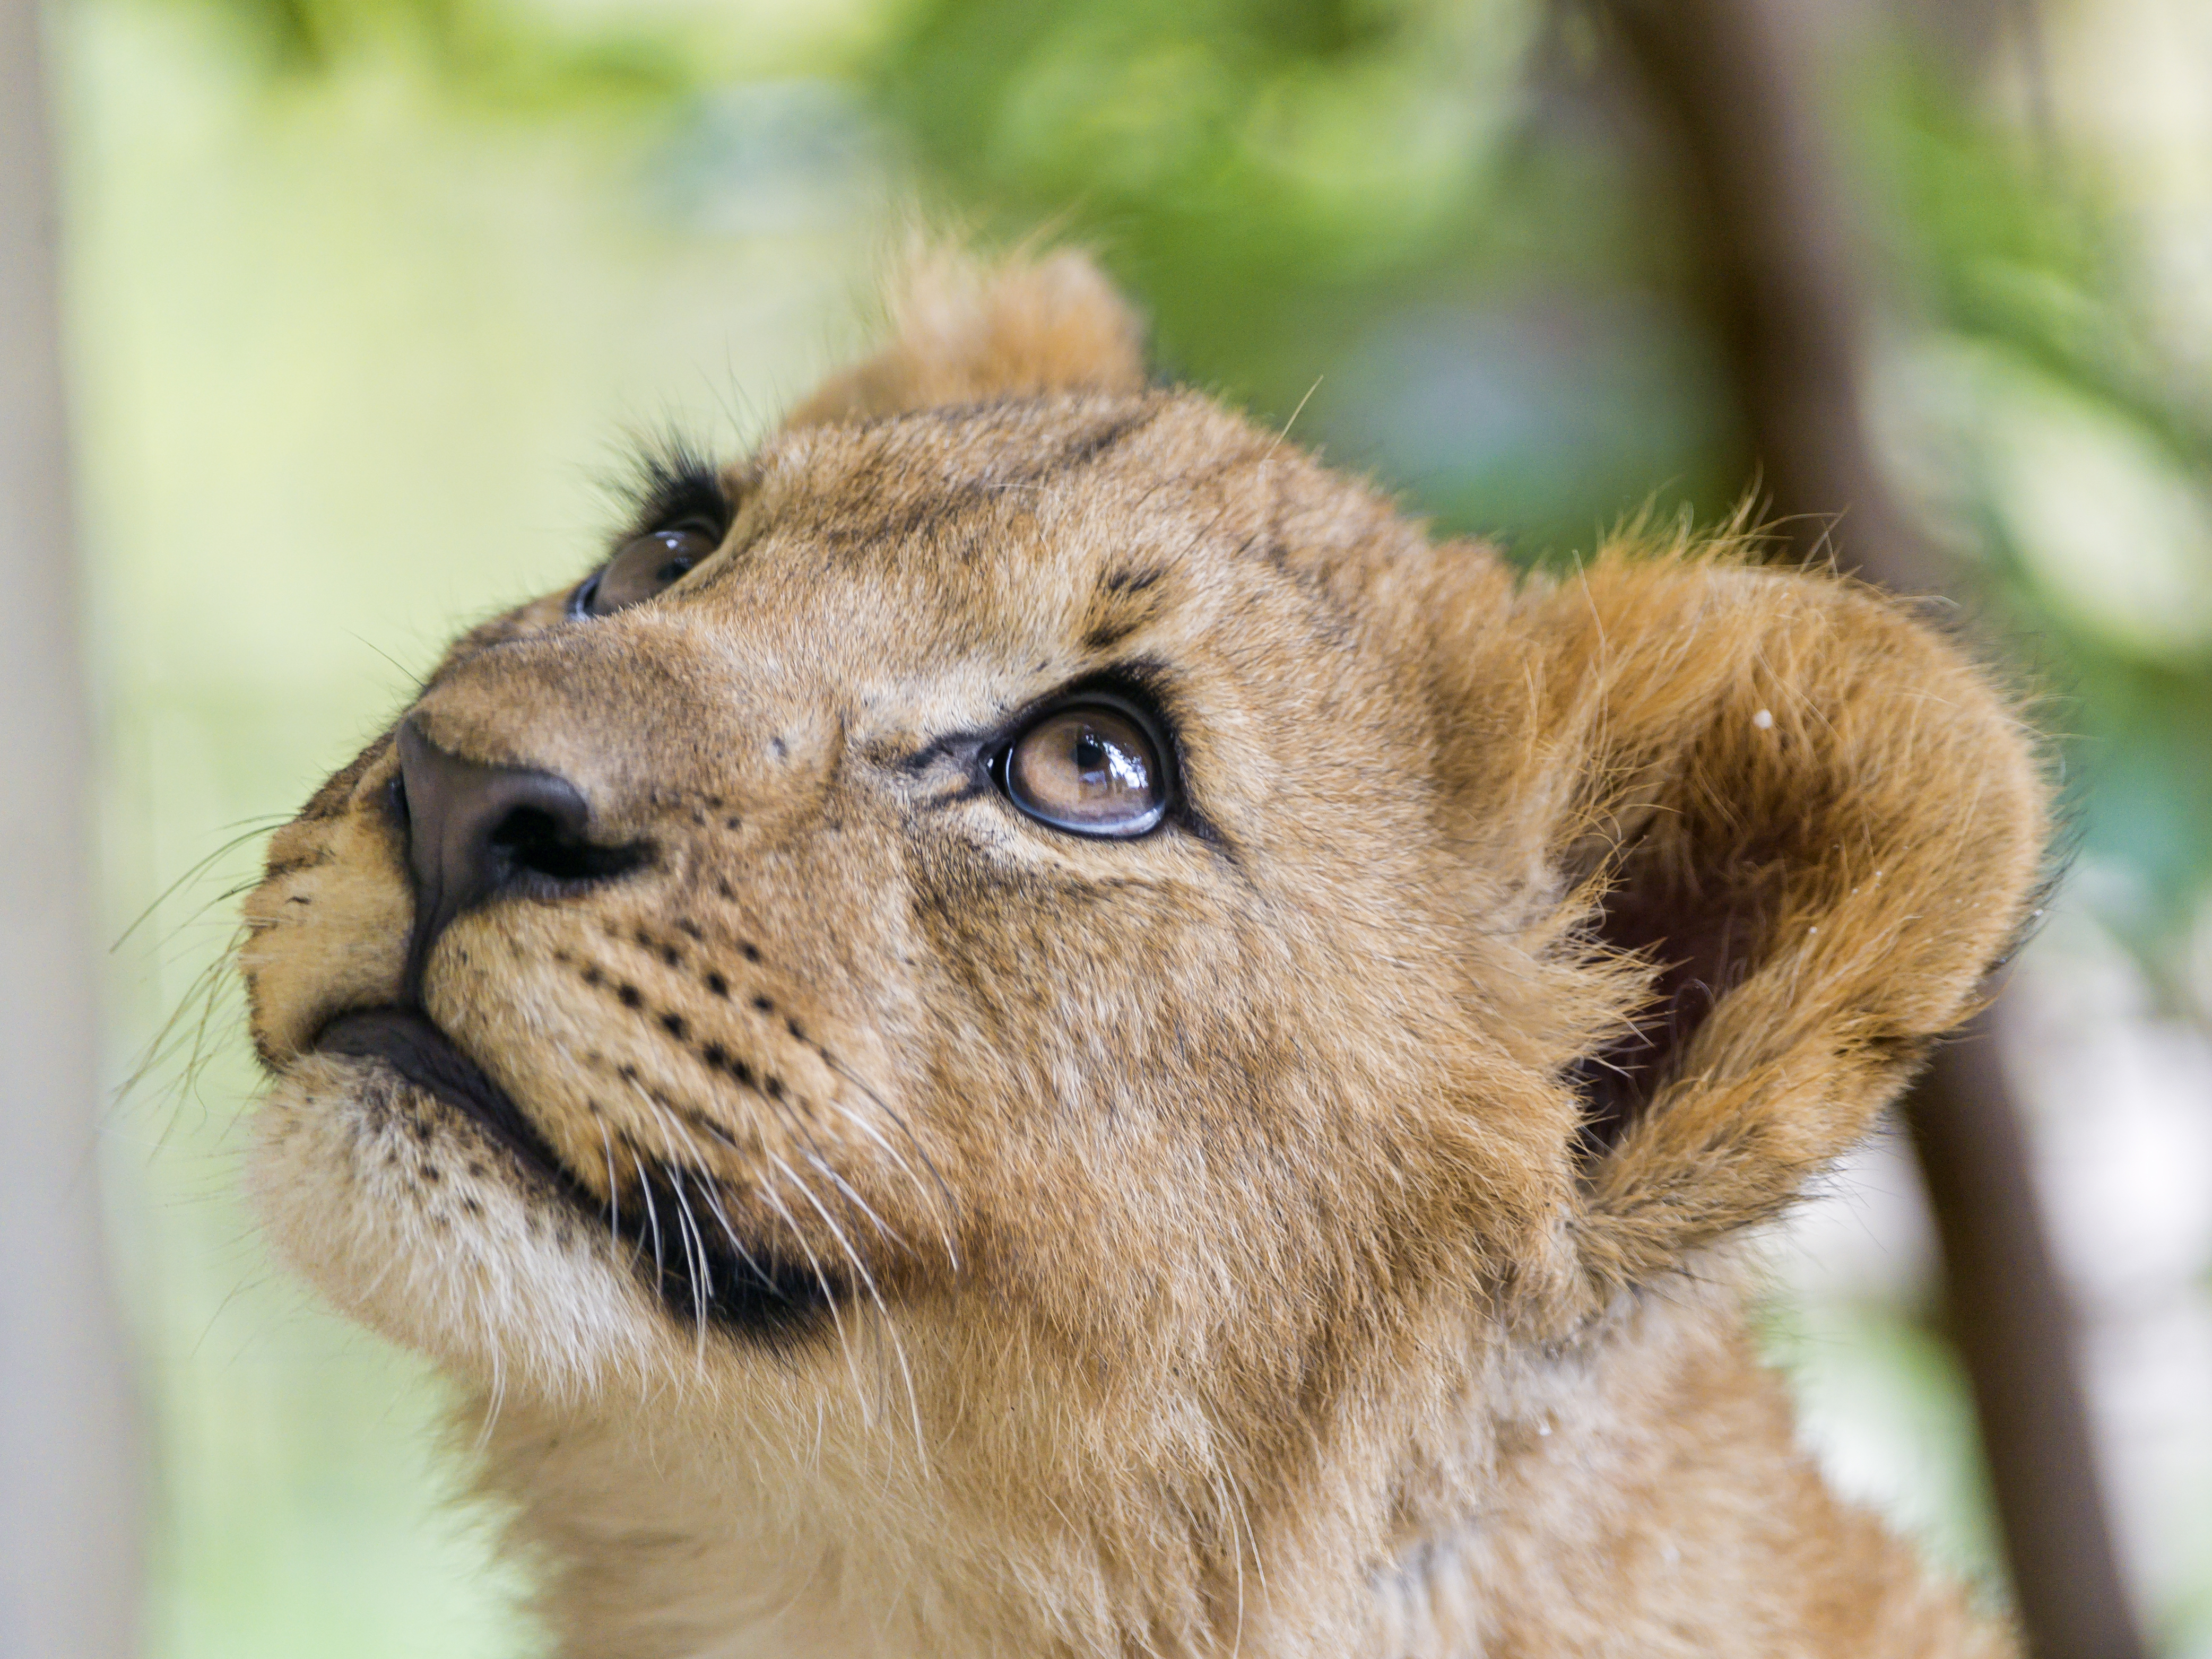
(1001, 889)
(1029, 913)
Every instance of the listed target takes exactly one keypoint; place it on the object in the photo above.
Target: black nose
(476, 833)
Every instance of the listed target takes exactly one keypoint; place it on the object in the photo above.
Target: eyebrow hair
(671, 481)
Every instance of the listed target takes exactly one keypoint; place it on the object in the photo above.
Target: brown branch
(1727, 88)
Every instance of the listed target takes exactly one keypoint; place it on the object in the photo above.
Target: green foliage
(2018, 243)
(2079, 466)
(1256, 169)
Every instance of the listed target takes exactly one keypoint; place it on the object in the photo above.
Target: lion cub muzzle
(654, 1065)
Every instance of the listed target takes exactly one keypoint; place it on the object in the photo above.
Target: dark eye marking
(957, 795)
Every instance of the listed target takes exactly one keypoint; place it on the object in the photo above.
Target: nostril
(476, 832)
(533, 839)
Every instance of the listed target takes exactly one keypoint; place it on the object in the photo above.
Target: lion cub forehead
(942, 486)
(1061, 525)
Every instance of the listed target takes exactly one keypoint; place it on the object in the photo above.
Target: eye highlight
(1092, 768)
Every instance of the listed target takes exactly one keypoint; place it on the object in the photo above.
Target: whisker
(943, 1192)
(651, 1218)
(695, 1265)
(898, 1346)
(614, 1191)
(695, 1269)
(887, 1234)
(253, 828)
(709, 1185)
(766, 1190)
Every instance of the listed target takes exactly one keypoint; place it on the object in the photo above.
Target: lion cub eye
(642, 565)
(1090, 768)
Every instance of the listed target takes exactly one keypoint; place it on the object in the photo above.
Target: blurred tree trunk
(69, 1462)
(1729, 87)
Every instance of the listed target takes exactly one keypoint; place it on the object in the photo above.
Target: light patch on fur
(409, 1221)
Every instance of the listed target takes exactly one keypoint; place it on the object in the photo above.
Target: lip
(413, 1046)
(750, 1290)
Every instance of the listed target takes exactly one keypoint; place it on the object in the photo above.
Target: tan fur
(1221, 1270)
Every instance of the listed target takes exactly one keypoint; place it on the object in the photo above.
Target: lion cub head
(1026, 978)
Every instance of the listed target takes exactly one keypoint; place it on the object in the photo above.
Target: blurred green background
(367, 296)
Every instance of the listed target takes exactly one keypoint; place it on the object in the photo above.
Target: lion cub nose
(476, 833)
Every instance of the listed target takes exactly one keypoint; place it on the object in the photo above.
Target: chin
(404, 1214)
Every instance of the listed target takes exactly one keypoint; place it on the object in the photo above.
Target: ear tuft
(965, 332)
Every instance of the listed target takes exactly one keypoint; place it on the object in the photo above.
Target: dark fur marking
(1097, 444)
(698, 1120)
(955, 745)
(1104, 635)
(1127, 581)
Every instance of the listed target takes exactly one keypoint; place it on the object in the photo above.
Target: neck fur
(1650, 1483)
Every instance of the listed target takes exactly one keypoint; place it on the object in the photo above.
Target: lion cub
(1030, 1026)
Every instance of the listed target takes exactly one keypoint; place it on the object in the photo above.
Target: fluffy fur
(1313, 1227)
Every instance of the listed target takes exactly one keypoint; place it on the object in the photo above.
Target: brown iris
(1091, 769)
(643, 566)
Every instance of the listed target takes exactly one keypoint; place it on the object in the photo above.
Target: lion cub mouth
(672, 1219)
(413, 1046)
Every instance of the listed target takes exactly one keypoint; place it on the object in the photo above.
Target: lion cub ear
(1803, 823)
(965, 332)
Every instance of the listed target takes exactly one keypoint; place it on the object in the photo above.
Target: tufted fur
(1311, 1229)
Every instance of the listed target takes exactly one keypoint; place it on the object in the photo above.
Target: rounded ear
(965, 332)
(1807, 822)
